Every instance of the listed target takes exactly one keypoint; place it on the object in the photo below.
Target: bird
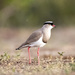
(38, 39)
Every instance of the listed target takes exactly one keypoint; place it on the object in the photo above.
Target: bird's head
(49, 23)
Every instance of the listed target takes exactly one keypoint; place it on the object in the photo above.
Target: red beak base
(53, 25)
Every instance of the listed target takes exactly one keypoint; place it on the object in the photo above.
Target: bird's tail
(18, 48)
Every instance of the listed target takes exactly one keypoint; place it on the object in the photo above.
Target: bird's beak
(53, 25)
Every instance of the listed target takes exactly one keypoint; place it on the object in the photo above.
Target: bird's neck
(47, 29)
(46, 33)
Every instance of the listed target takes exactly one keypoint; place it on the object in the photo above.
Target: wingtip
(17, 49)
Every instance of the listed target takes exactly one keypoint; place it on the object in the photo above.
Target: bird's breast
(46, 35)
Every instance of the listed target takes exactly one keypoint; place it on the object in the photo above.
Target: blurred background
(19, 18)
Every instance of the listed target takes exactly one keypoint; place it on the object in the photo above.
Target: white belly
(38, 43)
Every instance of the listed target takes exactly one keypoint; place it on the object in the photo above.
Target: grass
(10, 65)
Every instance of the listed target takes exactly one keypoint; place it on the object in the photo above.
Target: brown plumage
(32, 38)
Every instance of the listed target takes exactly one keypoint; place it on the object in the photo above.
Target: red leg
(38, 56)
(29, 55)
